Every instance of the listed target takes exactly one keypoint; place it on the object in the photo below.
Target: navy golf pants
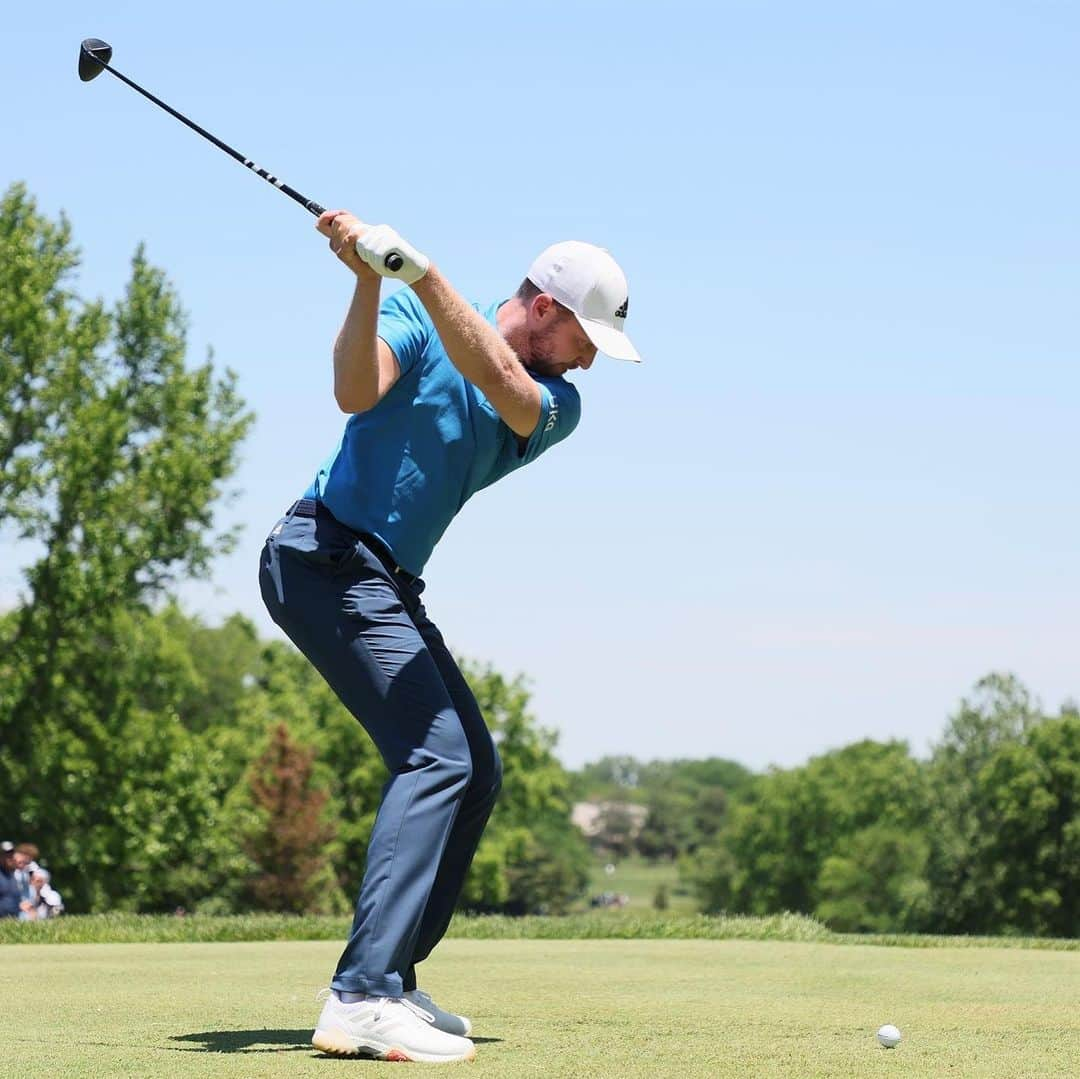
(361, 623)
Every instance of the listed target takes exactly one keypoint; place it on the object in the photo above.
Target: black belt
(312, 507)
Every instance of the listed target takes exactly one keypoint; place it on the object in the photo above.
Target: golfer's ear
(542, 305)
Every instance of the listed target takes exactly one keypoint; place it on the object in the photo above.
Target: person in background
(26, 855)
(47, 902)
(9, 888)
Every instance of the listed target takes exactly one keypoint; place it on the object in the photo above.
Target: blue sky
(841, 488)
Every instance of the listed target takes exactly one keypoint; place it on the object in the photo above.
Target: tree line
(162, 763)
(157, 761)
(980, 837)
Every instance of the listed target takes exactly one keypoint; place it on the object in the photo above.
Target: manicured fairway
(638, 880)
(554, 1008)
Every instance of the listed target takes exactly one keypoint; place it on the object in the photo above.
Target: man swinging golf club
(444, 398)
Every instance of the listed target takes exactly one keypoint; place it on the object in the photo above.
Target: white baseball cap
(588, 281)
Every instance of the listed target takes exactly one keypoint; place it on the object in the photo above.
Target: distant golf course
(548, 1007)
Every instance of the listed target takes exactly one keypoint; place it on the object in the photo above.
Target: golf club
(94, 57)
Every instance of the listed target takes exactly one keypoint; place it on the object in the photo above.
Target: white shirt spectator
(48, 903)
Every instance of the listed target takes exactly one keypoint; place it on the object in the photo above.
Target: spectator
(25, 865)
(9, 888)
(48, 903)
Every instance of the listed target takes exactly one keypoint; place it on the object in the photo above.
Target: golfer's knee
(450, 776)
(455, 768)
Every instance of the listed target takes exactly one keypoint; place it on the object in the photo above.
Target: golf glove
(380, 242)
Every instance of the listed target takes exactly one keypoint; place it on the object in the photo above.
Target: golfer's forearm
(356, 355)
(476, 349)
(479, 352)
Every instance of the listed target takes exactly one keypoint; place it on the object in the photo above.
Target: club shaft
(311, 207)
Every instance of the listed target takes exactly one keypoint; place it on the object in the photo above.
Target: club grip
(393, 261)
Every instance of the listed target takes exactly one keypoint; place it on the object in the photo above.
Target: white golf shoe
(445, 1021)
(386, 1028)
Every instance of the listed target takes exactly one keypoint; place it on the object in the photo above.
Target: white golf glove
(381, 243)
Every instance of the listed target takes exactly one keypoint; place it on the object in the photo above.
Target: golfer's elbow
(352, 399)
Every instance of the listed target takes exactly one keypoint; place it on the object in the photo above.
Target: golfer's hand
(390, 255)
(343, 229)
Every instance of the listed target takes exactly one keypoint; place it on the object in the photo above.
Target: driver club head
(93, 53)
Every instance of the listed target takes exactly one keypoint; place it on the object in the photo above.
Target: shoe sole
(337, 1043)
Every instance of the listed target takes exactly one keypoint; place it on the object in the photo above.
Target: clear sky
(843, 485)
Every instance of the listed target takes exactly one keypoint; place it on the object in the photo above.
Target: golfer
(444, 399)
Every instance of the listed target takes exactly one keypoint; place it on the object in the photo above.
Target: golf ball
(889, 1036)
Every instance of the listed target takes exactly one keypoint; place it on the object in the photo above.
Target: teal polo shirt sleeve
(406, 327)
(560, 412)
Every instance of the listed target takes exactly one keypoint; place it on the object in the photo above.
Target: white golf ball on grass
(889, 1036)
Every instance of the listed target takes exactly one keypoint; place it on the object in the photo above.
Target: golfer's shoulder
(562, 402)
(406, 327)
(405, 306)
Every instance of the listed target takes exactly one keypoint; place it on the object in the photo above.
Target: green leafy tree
(113, 454)
(669, 829)
(612, 778)
(693, 776)
(615, 830)
(531, 856)
(708, 813)
(226, 664)
(999, 713)
(874, 882)
(770, 855)
(687, 800)
(1027, 799)
(129, 812)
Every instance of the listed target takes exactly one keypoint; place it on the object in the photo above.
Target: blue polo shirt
(10, 896)
(404, 468)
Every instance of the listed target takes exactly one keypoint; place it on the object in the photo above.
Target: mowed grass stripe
(595, 925)
(556, 1008)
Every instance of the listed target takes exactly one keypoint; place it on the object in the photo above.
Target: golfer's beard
(540, 349)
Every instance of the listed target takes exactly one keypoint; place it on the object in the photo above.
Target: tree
(608, 779)
(770, 854)
(1027, 801)
(112, 456)
(226, 663)
(686, 800)
(288, 841)
(615, 830)
(998, 714)
(669, 829)
(692, 776)
(289, 690)
(531, 856)
(874, 882)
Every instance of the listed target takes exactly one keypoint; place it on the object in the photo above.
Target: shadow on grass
(247, 1041)
(257, 1041)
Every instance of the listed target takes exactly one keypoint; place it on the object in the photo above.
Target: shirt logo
(621, 313)
(554, 417)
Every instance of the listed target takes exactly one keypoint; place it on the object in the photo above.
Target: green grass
(588, 1008)
(627, 924)
(639, 880)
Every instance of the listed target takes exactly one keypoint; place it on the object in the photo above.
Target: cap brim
(609, 341)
